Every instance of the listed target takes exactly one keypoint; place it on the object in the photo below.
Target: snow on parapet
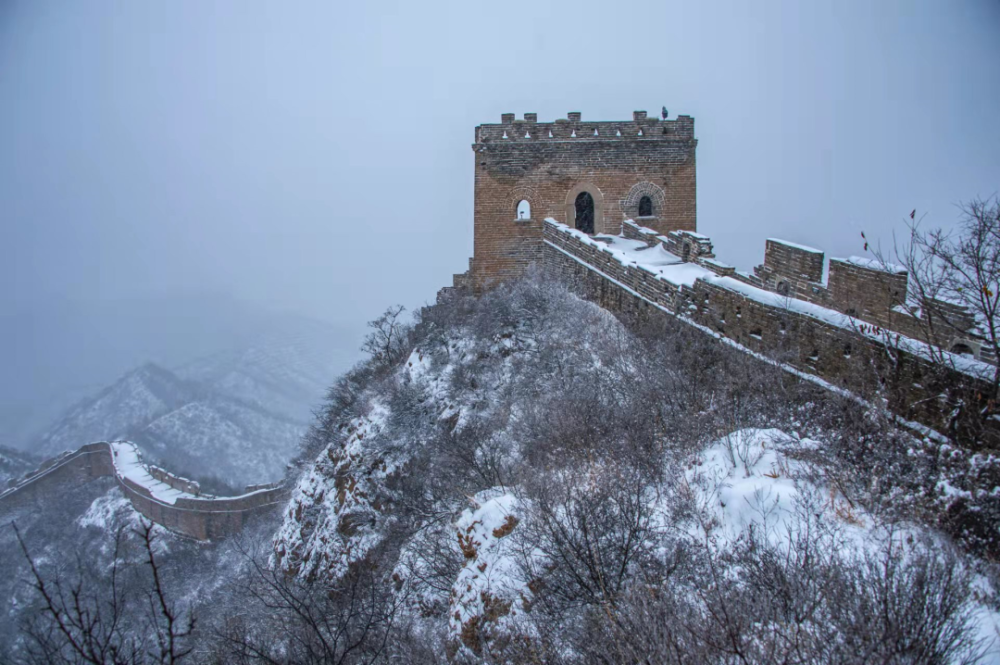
(162, 486)
(874, 264)
(670, 269)
(795, 245)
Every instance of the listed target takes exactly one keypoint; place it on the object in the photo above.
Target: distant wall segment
(202, 518)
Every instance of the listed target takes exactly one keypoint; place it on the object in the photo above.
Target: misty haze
(481, 333)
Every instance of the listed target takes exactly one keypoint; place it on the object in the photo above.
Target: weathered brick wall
(549, 164)
(178, 483)
(793, 261)
(202, 519)
(838, 355)
(865, 292)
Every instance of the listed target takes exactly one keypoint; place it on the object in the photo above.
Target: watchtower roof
(573, 128)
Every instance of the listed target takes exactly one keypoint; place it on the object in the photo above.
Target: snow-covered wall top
(677, 272)
(165, 499)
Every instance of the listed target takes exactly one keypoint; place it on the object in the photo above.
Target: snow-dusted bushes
(538, 482)
(809, 601)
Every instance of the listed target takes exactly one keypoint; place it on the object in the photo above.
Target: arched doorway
(585, 212)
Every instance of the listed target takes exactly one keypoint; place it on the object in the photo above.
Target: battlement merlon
(573, 128)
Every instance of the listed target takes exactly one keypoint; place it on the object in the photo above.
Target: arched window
(645, 207)
(524, 209)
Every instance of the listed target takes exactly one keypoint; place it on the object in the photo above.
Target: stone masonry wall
(837, 355)
(549, 164)
(864, 289)
(202, 519)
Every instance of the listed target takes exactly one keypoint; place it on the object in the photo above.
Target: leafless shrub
(591, 526)
(801, 603)
(954, 297)
(288, 619)
(123, 624)
(387, 343)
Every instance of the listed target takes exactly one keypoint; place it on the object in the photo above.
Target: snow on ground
(746, 479)
(743, 480)
(113, 510)
(332, 519)
(489, 592)
(104, 510)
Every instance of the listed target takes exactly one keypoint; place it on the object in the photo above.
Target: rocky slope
(525, 479)
(532, 467)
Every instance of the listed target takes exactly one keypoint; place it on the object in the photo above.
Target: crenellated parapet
(872, 291)
(574, 128)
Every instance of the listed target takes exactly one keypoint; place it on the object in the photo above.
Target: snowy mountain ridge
(237, 415)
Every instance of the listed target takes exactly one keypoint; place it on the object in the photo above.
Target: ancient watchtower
(589, 175)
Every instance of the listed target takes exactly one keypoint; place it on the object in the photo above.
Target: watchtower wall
(550, 164)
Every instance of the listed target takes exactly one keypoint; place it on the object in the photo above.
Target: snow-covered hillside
(525, 479)
(137, 398)
(546, 486)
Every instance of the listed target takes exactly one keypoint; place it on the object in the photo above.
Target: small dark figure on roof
(665, 114)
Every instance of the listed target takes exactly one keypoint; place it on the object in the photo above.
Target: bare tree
(954, 281)
(114, 625)
(288, 619)
(386, 343)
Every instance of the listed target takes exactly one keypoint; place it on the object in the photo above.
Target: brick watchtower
(590, 175)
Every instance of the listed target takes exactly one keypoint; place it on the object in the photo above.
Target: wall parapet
(867, 289)
(808, 338)
(574, 128)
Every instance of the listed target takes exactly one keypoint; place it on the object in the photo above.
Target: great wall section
(611, 209)
(172, 502)
(639, 273)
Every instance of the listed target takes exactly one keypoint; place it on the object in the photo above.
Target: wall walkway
(629, 275)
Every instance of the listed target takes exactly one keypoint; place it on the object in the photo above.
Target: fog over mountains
(233, 407)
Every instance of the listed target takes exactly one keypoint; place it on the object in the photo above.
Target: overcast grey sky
(314, 156)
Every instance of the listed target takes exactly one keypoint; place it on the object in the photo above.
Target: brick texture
(549, 164)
